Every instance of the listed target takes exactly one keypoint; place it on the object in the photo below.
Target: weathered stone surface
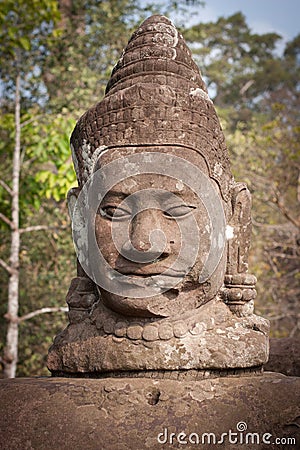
(129, 414)
(284, 356)
(214, 338)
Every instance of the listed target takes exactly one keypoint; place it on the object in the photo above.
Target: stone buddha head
(161, 229)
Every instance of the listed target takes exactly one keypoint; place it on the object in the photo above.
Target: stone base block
(257, 411)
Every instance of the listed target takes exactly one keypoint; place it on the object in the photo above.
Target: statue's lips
(159, 280)
(150, 272)
(168, 274)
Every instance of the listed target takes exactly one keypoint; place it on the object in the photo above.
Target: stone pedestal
(142, 413)
(213, 338)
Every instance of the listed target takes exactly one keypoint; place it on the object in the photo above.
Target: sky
(262, 16)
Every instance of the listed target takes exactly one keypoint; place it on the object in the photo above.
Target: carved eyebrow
(184, 194)
(117, 194)
(164, 195)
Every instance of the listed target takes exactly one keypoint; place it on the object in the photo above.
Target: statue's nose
(147, 238)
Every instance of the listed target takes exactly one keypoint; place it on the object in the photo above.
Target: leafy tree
(25, 26)
(235, 61)
(92, 35)
(283, 81)
(267, 156)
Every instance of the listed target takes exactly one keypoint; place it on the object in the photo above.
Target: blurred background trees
(62, 53)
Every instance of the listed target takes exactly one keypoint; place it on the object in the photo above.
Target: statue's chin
(171, 299)
(172, 303)
(136, 307)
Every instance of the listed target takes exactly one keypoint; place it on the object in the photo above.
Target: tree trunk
(11, 349)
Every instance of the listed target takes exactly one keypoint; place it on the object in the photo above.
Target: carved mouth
(140, 275)
(160, 258)
(165, 272)
(154, 269)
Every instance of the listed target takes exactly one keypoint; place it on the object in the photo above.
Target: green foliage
(92, 37)
(47, 170)
(22, 22)
(48, 147)
(232, 58)
(266, 154)
(26, 29)
(48, 264)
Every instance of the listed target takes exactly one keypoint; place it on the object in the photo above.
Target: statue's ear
(82, 294)
(239, 286)
(72, 199)
(79, 230)
(240, 223)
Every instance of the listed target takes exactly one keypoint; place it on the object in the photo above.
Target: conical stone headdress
(155, 96)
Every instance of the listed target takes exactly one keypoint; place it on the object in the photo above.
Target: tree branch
(6, 220)
(6, 187)
(8, 268)
(34, 228)
(246, 86)
(27, 122)
(42, 311)
(267, 225)
(281, 205)
(41, 227)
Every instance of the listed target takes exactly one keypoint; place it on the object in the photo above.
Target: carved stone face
(156, 230)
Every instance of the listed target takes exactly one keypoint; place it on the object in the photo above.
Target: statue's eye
(114, 212)
(179, 211)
